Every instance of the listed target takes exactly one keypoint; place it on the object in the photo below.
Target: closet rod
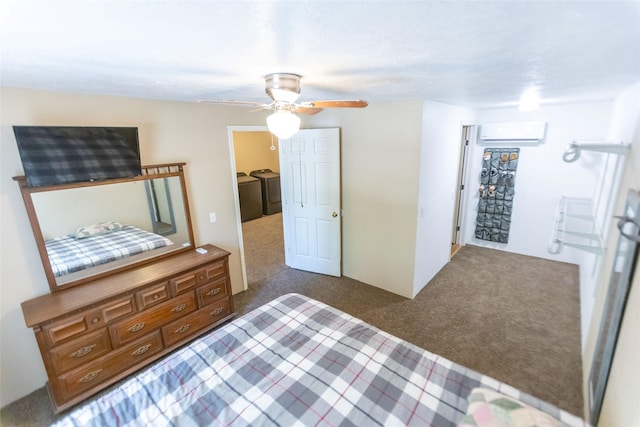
(575, 148)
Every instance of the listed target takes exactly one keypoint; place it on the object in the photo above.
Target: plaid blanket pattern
(68, 254)
(294, 362)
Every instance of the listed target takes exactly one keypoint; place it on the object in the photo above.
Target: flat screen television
(54, 155)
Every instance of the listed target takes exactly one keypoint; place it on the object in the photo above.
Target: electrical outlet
(212, 217)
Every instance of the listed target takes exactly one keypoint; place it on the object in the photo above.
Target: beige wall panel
(253, 151)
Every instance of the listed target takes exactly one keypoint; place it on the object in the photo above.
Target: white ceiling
(472, 53)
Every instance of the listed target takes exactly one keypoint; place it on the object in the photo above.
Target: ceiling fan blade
(307, 110)
(239, 103)
(335, 104)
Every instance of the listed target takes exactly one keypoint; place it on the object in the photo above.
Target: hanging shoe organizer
(497, 190)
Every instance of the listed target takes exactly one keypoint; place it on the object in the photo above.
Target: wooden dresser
(93, 335)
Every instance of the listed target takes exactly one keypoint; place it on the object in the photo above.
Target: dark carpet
(509, 316)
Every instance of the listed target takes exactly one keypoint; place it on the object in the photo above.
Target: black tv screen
(61, 154)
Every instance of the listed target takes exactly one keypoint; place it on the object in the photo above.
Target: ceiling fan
(284, 91)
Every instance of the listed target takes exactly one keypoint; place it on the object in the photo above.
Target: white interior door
(310, 180)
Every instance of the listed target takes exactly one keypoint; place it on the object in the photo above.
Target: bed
(296, 361)
(99, 244)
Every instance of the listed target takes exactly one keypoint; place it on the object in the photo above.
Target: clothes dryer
(271, 196)
(250, 195)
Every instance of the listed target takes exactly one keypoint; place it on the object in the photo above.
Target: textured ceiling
(472, 53)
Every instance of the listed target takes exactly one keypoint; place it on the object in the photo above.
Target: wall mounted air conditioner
(517, 133)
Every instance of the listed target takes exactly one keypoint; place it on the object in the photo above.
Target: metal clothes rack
(576, 222)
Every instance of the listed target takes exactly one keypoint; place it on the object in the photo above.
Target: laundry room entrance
(288, 201)
(257, 168)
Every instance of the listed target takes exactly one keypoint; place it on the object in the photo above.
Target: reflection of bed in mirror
(72, 253)
(153, 205)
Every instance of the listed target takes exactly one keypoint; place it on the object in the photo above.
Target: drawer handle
(95, 320)
(136, 327)
(202, 278)
(213, 292)
(179, 308)
(182, 329)
(141, 350)
(90, 376)
(83, 351)
(156, 296)
(217, 311)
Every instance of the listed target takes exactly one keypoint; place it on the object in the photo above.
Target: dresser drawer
(116, 309)
(152, 296)
(215, 269)
(186, 326)
(70, 327)
(92, 374)
(212, 291)
(81, 350)
(142, 323)
(185, 282)
(62, 330)
(188, 281)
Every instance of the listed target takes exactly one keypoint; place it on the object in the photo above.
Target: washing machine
(250, 195)
(270, 184)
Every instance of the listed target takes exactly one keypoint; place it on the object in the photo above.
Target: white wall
(439, 161)
(543, 177)
(620, 405)
(380, 172)
(169, 132)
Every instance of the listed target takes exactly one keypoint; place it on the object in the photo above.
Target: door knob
(335, 214)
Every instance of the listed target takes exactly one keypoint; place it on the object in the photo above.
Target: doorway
(468, 135)
(261, 237)
(309, 165)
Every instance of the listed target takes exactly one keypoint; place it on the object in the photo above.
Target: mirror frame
(148, 173)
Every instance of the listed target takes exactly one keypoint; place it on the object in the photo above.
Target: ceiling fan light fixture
(283, 124)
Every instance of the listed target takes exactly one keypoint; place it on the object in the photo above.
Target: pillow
(488, 408)
(97, 229)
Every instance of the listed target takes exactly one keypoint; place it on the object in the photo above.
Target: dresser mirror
(625, 266)
(93, 229)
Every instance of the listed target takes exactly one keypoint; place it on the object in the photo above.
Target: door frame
(236, 196)
(468, 138)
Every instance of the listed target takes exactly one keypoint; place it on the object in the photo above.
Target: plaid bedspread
(295, 362)
(68, 254)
